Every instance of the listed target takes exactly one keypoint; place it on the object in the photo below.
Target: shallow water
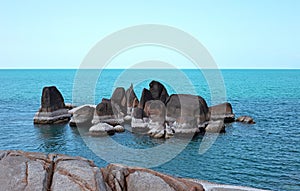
(265, 155)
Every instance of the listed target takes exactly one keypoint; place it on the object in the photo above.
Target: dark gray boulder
(118, 100)
(146, 96)
(185, 106)
(53, 109)
(131, 99)
(158, 91)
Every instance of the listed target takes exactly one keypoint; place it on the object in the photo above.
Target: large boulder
(23, 171)
(119, 177)
(102, 129)
(222, 112)
(104, 108)
(184, 107)
(52, 109)
(118, 99)
(158, 91)
(82, 116)
(215, 127)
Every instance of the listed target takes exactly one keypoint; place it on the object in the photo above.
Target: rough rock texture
(82, 116)
(36, 171)
(222, 112)
(119, 177)
(245, 119)
(158, 91)
(26, 171)
(102, 129)
(156, 111)
(52, 109)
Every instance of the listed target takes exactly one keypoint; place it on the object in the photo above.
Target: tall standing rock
(118, 99)
(158, 91)
(131, 99)
(52, 109)
(146, 96)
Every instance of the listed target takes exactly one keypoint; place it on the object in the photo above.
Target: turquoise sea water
(265, 155)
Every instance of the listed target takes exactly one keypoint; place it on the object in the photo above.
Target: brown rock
(82, 116)
(51, 100)
(146, 96)
(246, 119)
(134, 178)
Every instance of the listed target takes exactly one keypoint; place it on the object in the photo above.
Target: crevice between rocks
(50, 172)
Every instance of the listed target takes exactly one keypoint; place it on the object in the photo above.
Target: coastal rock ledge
(36, 171)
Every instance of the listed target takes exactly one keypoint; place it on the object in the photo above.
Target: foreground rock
(24, 171)
(53, 109)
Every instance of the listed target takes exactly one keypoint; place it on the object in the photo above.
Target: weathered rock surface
(26, 171)
(222, 112)
(119, 177)
(118, 101)
(82, 116)
(245, 119)
(53, 109)
(146, 96)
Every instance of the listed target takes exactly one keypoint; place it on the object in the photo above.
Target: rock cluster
(156, 112)
(24, 171)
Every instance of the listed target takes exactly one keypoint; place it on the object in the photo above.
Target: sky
(236, 33)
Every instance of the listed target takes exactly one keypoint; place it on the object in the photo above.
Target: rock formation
(24, 171)
(222, 112)
(158, 91)
(53, 109)
(245, 119)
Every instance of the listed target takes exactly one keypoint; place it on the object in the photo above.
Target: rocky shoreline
(37, 171)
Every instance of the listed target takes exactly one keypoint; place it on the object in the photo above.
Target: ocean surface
(264, 155)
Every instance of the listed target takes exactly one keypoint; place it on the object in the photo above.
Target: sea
(264, 155)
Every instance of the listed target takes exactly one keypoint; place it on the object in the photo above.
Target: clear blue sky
(238, 34)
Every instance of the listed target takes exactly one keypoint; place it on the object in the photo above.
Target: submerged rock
(52, 109)
(246, 119)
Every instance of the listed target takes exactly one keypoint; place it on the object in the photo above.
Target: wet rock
(222, 112)
(246, 119)
(215, 127)
(158, 91)
(82, 116)
(52, 109)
